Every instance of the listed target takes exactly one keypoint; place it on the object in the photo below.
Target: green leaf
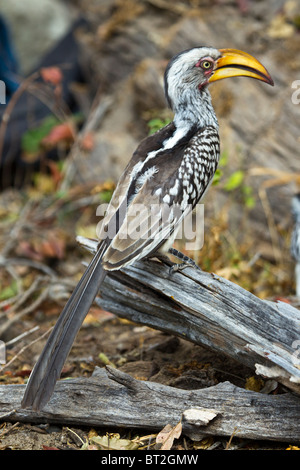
(234, 181)
(249, 199)
(223, 158)
(106, 195)
(106, 361)
(9, 291)
(31, 139)
(61, 194)
(250, 202)
(156, 124)
(217, 176)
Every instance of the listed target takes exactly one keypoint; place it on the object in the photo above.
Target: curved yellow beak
(234, 63)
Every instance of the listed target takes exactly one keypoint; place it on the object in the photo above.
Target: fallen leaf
(56, 172)
(253, 383)
(204, 443)
(106, 361)
(53, 247)
(8, 291)
(282, 299)
(61, 133)
(167, 435)
(88, 141)
(97, 315)
(114, 442)
(51, 75)
(40, 248)
(279, 28)
(43, 184)
(92, 433)
(103, 187)
(87, 231)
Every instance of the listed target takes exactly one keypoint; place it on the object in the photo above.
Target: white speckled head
(186, 77)
(189, 71)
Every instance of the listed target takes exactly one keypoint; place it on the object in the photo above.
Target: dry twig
(24, 349)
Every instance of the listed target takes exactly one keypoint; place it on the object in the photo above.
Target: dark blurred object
(29, 111)
(8, 61)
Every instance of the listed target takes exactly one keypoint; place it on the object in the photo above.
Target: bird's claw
(181, 266)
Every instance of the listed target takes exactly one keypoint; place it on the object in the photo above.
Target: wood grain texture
(210, 311)
(111, 398)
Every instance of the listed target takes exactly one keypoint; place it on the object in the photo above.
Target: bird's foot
(187, 262)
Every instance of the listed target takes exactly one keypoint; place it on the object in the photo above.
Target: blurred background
(84, 84)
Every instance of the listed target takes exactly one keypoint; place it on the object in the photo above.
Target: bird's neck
(194, 109)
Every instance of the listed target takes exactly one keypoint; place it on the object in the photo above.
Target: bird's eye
(206, 64)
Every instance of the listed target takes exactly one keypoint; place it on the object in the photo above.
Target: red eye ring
(205, 64)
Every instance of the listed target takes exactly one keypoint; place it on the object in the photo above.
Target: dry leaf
(51, 75)
(56, 172)
(86, 231)
(39, 248)
(280, 28)
(60, 133)
(88, 141)
(254, 383)
(167, 435)
(92, 433)
(113, 442)
(205, 443)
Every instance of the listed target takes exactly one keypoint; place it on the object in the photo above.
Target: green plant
(157, 123)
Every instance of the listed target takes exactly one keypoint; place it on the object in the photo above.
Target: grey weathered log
(208, 310)
(205, 309)
(111, 398)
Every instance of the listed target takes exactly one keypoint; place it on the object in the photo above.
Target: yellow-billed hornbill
(171, 168)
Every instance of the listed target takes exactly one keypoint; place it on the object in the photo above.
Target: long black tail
(50, 363)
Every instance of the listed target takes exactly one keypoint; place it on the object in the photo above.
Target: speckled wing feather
(126, 184)
(151, 209)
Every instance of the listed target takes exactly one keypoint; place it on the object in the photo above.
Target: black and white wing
(157, 190)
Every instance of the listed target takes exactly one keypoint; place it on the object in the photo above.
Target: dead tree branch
(211, 311)
(111, 398)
